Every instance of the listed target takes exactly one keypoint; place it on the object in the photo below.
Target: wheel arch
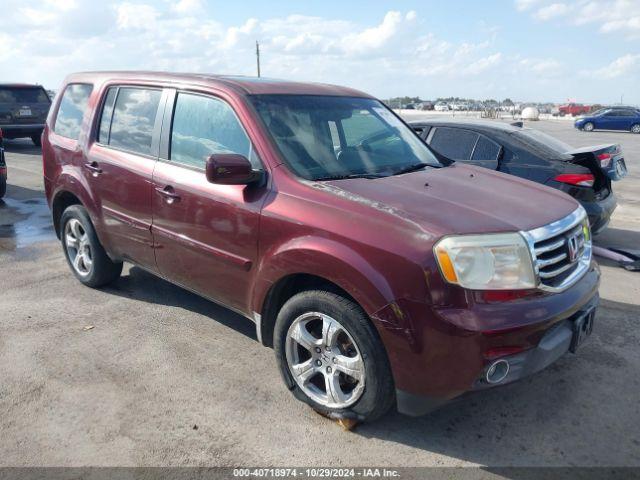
(61, 201)
(327, 265)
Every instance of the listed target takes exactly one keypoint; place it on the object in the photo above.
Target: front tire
(85, 255)
(635, 128)
(588, 127)
(37, 140)
(330, 357)
(3, 187)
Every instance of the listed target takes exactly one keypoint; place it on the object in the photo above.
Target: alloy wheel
(78, 247)
(324, 360)
(635, 129)
(588, 127)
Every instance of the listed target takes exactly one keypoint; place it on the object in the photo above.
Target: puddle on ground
(23, 222)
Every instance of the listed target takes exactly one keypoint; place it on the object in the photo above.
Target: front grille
(554, 259)
(560, 251)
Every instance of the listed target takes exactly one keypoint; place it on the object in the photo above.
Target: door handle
(168, 193)
(93, 168)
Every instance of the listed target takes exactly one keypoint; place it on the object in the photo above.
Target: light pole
(258, 57)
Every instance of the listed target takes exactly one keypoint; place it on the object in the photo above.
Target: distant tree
(507, 102)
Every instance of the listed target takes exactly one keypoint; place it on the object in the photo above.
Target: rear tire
(588, 127)
(85, 255)
(339, 337)
(635, 128)
(37, 140)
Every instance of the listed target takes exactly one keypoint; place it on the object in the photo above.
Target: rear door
(625, 119)
(609, 121)
(465, 146)
(206, 234)
(25, 106)
(120, 166)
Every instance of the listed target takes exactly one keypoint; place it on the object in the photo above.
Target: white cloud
(525, 4)
(619, 67)
(548, 67)
(608, 16)
(136, 16)
(552, 11)
(187, 6)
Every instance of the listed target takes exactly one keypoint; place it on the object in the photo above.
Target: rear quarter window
(454, 143)
(71, 111)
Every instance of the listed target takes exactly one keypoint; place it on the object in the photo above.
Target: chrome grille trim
(549, 248)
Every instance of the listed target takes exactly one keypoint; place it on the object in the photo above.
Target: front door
(120, 166)
(206, 235)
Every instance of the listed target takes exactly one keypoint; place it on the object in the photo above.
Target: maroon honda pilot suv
(381, 273)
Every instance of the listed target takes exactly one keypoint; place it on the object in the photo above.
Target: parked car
(441, 107)
(381, 273)
(573, 109)
(610, 119)
(23, 110)
(3, 168)
(425, 106)
(584, 173)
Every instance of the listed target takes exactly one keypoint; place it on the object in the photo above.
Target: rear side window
(203, 126)
(485, 150)
(72, 107)
(133, 120)
(454, 143)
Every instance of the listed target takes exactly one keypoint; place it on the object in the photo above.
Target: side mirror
(231, 169)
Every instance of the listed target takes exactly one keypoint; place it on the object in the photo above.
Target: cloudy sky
(588, 50)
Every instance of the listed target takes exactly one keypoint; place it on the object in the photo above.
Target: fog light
(497, 371)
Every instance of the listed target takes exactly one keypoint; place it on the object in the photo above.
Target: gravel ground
(166, 378)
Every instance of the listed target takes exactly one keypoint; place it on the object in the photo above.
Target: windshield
(542, 141)
(325, 137)
(25, 95)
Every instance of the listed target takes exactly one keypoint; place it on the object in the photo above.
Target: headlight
(498, 261)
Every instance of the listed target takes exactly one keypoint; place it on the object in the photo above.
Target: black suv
(23, 111)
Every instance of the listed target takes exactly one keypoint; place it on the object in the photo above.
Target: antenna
(258, 57)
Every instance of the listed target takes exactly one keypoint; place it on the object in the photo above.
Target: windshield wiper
(412, 168)
(350, 175)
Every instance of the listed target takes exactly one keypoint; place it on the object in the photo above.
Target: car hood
(459, 199)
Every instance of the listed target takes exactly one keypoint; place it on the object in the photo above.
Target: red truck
(573, 109)
(382, 274)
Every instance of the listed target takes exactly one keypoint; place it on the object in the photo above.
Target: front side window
(454, 143)
(71, 111)
(203, 126)
(134, 116)
(326, 137)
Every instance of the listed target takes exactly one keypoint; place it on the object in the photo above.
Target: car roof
(20, 85)
(476, 124)
(240, 84)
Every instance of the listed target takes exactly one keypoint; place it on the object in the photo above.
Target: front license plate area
(582, 328)
(24, 112)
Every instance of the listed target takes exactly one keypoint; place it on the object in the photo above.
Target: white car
(441, 107)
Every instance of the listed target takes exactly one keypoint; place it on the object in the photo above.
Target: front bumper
(438, 354)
